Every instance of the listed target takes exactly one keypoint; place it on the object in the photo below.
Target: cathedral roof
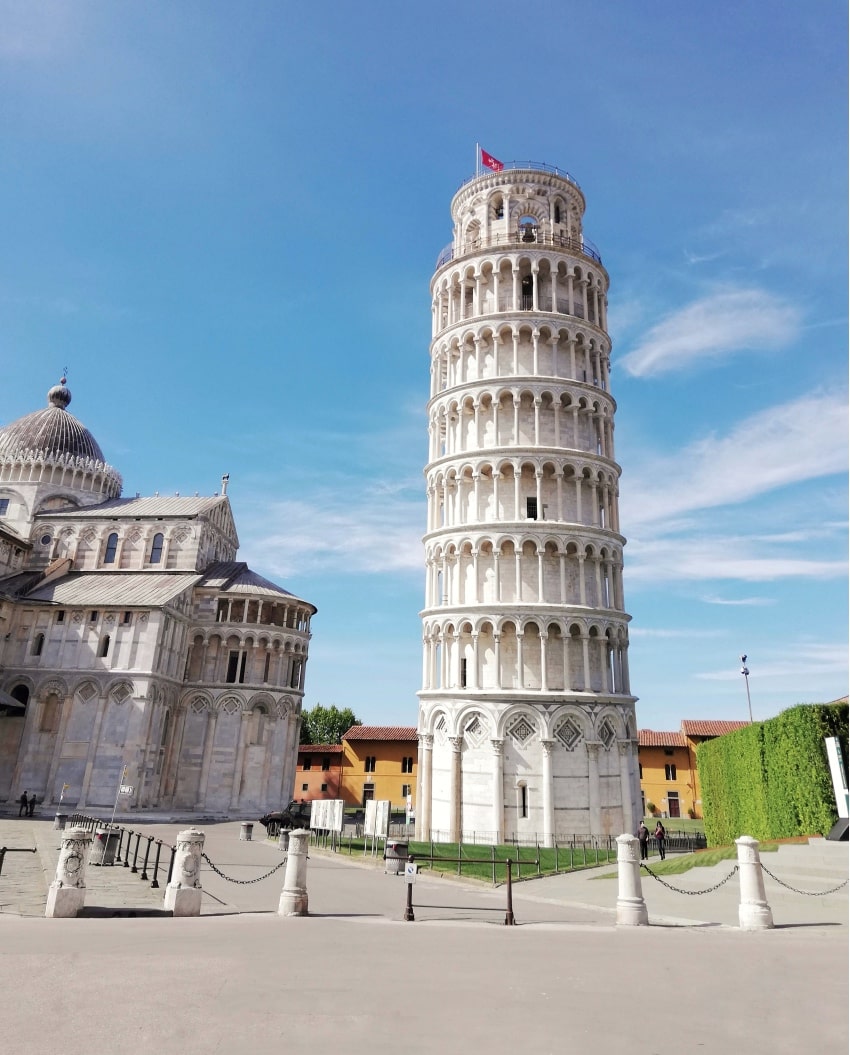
(51, 431)
(155, 506)
(236, 577)
(116, 589)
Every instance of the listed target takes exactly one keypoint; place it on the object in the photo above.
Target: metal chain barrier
(679, 890)
(242, 882)
(807, 893)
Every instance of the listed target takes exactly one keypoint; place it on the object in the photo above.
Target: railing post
(135, 867)
(509, 914)
(631, 908)
(753, 912)
(155, 882)
(145, 862)
(127, 851)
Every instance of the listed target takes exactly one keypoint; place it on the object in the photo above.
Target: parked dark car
(296, 815)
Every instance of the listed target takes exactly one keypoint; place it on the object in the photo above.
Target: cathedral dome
(52, 431)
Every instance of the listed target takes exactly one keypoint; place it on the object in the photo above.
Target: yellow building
(668, 766)
(379, 762)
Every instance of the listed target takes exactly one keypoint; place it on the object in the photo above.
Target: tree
(326, 725)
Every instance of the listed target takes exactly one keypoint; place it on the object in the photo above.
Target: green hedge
(771, 779)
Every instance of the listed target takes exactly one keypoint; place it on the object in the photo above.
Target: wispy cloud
(808, 659)
(674, 633)
(746, 602)
(786, 444)
(375, 532)
(706, 559)
(714, 328)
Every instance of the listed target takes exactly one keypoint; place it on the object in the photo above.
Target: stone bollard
(283, 840)
(67, 893)
(631, 908)
(293, 897)
(183, 893)
(246, 831)
(753, 912)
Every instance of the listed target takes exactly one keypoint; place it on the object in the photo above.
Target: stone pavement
(241, 978)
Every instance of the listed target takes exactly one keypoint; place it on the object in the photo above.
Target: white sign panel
(125, 789)
(838, 773)
(377, 820)
(410, 870)
(326, 815)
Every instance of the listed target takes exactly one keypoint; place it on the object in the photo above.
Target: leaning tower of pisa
(526, 718)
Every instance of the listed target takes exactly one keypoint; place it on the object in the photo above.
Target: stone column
(103, 703)
(67, 893)
(753, 912)
(625, 749)
(631, 908)
(593, 787)
(293, 897)
(548, 794)
(183, 893)
(456, 743)
(498, 790)
(209, 739)
(423, 800)
(244, 723)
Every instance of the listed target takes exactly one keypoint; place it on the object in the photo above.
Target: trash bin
(59, 822)
(395, 856)
(104, 846)
(246, 831)
(283, 840)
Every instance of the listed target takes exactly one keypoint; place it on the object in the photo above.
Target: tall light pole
(746, 674)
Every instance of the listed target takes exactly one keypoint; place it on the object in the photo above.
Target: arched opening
(38, 644)
(111, 548)
(156, 548)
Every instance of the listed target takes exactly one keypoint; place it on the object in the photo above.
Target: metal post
(509, 915)
(136, 852)
(127, 851)
(171, 864)
(155, 882)
(408, 908)
(145, 862)
(746, 673)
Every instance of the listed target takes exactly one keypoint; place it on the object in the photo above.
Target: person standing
(643, 839)
(31, 807)
(660, 835)
(23, 800)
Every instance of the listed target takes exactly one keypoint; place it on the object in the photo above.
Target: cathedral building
(135, 648)
(526, 718)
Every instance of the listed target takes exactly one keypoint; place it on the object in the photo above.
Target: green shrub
(771, 779)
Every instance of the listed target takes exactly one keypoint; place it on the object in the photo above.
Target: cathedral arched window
(111, 548)
(38, 644)
(21, 694)
(156, 548)
(50, 714)
(104, 646)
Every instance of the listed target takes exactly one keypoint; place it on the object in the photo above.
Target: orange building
(318, 774)
(668, 766)
(379, 762)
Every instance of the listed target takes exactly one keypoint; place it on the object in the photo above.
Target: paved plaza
(355, 976)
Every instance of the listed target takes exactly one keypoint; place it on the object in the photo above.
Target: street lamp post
(746, 673)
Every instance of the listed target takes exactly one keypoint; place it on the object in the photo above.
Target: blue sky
(224, 217)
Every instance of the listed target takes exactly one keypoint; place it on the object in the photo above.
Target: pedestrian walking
(23, 800)
(31, 807)
(643, 839)
(660, 835)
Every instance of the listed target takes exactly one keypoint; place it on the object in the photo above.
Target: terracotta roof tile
(699, 727)
(650, 738)
(381, 732)
(320, 749)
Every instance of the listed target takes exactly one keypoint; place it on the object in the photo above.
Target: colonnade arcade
(538, 349)
(532, 488)
(512, 282)
(524, 570)
(244, 658)
(536, 654)
(521, 418)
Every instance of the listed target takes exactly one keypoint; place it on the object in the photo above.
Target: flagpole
(117, 793)
(477, 159)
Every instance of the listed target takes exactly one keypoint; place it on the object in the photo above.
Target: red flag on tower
(488, 161)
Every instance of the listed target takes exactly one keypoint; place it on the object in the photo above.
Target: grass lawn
(676, 824)
(679, 863)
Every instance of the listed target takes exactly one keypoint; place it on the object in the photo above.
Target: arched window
(50, 714)
(156, 548)
(38, 644)
(111, 548)
(104, 646)
(22, 694)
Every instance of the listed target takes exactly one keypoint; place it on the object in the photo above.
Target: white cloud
(786, 444)
(799, 659)
(671, 633)
(705, 559)
(713, 328)
(754, 602)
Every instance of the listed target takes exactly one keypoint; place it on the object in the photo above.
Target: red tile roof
(321, 749)
(650, 738)
(698, 727)
(381, 732)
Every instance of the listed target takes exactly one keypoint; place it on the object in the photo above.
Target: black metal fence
(141, 853)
